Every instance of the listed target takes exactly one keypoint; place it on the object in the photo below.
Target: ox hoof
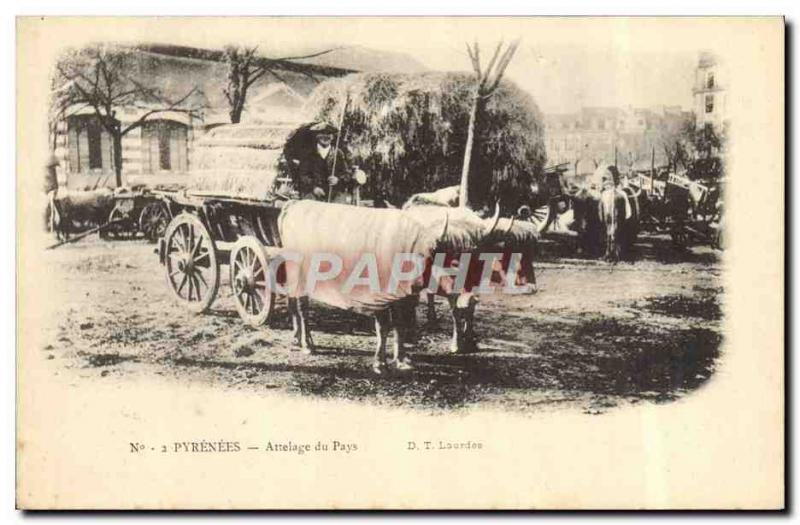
(403, 364)
(380, 368)
(307, 349)
(465, 348)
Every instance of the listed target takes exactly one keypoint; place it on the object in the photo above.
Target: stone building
(160, 151)
(624, 136)
(710, 93)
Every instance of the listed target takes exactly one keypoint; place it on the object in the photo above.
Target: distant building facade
(160, 151)
(625, 136)
(710, 93)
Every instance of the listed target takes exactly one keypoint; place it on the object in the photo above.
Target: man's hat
(321, 128)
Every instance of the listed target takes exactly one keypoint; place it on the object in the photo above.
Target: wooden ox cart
(208, 231)
(136, 212)
(690, 211)
(122, 213)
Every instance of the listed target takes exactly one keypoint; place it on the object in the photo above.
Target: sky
(565, 63)
(562, 79)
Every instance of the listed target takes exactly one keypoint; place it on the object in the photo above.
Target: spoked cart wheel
(541, 217)
(191, 261)
(153, 221)
(117, 225)
(250, 281)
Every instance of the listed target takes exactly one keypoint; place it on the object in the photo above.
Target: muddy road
(596, 336)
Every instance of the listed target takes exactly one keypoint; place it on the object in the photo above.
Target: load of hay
(408, 132)
(239, 160)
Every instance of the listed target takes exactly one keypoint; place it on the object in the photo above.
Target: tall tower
(709, 92)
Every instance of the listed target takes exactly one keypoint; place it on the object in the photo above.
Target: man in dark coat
(323, 172)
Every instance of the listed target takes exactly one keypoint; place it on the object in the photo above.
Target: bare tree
(671, 137)
(99, 78)
(245, 67)
(487, 82)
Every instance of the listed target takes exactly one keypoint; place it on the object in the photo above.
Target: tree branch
(172, 107)
(476, 66)
(491, 63)
(504, 61)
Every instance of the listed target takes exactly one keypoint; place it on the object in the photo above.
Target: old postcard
(400, 263)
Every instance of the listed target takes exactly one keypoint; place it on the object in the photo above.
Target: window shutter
(155, 158)
(72, 145)
(106, 150)
(174, 148)
(182, 148)
(83, 149)
(146, 150)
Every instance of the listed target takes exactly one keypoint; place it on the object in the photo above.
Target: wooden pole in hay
(338, 139)
(487, 82)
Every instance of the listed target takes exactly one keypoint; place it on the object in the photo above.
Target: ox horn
(495, 218)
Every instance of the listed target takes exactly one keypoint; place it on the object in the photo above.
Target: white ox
(355, 235)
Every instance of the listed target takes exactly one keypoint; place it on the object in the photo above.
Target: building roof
(218, 55)
(706, 59)
(606, 112)
(173, 71)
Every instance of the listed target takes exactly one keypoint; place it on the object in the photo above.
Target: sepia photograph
(375, 263)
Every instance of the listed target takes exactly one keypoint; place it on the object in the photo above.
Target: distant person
(50, 190)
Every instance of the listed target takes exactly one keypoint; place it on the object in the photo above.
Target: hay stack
(239, 160)
(408, 132)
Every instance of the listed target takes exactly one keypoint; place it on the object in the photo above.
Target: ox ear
(495, 219)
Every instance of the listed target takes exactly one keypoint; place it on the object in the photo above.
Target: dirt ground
(595, 336)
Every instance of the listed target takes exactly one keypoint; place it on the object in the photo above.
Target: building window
(89, 144)
(95, 149)
(709, 103)
(710, 80)
(164, 146)
(163, 149)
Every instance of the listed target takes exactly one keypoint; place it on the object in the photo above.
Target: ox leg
(457, 345)
(302, 336)
(614, 247)
(610, 248)
(430, 307)
(413, 329)
(382, 322)
(403, 320)
(532, 278)
(293, 312)
(470, 342)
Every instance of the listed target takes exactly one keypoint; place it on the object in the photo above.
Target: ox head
(464, 233)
